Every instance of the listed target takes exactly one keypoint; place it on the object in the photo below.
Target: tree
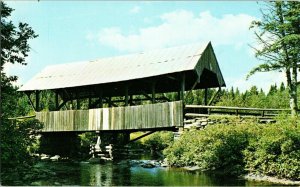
(14, 49)
(273, 89)
(282, 87)
(15, 138)
(278, 37)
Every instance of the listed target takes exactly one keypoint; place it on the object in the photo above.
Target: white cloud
(147, 20)
(135, 10)
(181, 27)
(15, 69)
(89, 36)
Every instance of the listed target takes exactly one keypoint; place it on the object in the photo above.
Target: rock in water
(147, 165)
(55, 158)
(45, 157)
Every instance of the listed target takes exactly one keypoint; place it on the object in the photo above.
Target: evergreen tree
(273, 89)
(282, 87)
(278, 37)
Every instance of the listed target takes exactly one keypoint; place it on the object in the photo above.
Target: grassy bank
(239, 148)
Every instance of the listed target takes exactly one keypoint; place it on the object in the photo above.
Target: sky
(72, 31)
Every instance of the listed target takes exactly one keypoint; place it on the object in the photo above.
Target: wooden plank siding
(150, 116)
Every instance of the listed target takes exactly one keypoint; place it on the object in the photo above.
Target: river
(124, 173)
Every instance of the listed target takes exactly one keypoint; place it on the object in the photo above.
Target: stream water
(124, 173)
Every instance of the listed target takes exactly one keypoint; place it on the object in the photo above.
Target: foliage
(14, 40)
(272, 149)
(255, 98)
(278, 37)
(277, 150)
(159, 140)
(16, 138)
(86, 140)
(216, 147)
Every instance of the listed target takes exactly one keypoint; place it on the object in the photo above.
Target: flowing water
(125, 174)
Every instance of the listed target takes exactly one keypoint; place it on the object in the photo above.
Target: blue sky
(71, 31)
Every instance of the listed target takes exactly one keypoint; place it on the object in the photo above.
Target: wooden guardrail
(202, 110)
(150, 116)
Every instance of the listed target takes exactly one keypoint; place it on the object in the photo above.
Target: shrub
(217, 147)
(17, 140)
(269, 149)
(277, 151)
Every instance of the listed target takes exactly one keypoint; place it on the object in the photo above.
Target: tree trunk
(291, 79)
(292, 88)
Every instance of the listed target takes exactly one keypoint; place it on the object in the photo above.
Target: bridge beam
(205, 96)
(29, 98)
(214, 96)
(126, 95)
(131, 100)
(153, 92)
(37, 100)
(62, 104)
(56, 101)
(142, 136)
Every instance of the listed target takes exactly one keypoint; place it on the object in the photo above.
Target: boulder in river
(192, 168)
(45, 157)
(55, 158)
(148, 165)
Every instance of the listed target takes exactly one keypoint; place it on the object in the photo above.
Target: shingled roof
(195, 59)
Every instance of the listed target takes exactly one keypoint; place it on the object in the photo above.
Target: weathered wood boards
(160, 115)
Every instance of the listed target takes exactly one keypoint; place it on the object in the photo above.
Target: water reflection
(114, 174)
(126, 174)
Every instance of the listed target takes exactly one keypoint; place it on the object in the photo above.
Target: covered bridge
(107, 81)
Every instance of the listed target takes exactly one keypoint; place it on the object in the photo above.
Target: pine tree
(278, 36)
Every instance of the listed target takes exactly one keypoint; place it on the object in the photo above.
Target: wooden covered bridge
(114, 88)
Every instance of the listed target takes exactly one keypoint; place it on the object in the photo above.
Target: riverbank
(261, 178)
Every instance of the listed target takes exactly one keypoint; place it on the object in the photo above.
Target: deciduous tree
(15, 138)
